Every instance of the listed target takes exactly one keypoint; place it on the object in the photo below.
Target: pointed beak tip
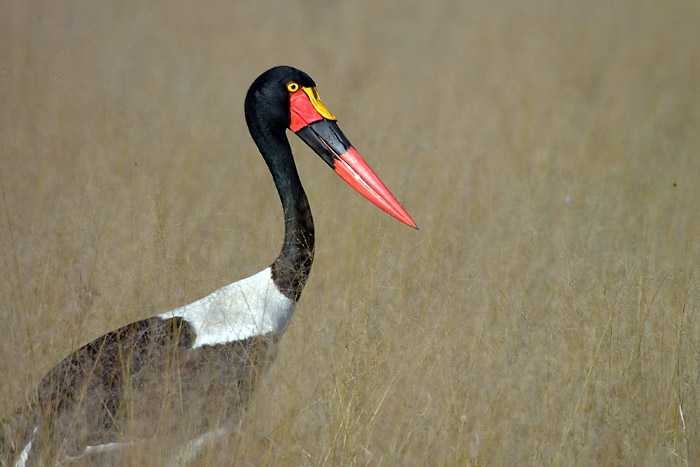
(410, 222)
(399, 213)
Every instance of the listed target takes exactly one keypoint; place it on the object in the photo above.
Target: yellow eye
(292, 86)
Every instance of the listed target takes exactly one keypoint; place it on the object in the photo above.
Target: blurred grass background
(547, 311)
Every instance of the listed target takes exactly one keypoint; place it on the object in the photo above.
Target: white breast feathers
(250, 307)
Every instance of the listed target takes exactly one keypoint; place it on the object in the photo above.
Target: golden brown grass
(546, 313)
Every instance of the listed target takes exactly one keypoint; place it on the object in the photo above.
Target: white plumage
(250, 307)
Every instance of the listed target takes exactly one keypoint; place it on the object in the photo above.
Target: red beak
(355, 171)
(312, 122)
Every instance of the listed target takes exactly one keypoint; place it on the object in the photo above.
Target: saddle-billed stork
(179, 362)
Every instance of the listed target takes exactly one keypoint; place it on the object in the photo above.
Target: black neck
(291, 268)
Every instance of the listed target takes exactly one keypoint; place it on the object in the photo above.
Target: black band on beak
(326, 139)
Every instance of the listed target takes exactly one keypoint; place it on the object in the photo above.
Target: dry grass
(546, 313)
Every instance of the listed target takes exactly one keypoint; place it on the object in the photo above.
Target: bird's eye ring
(292, 86)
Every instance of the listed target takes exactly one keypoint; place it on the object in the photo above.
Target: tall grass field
(547, 312)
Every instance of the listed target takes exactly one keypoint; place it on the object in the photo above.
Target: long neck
(291, 268)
